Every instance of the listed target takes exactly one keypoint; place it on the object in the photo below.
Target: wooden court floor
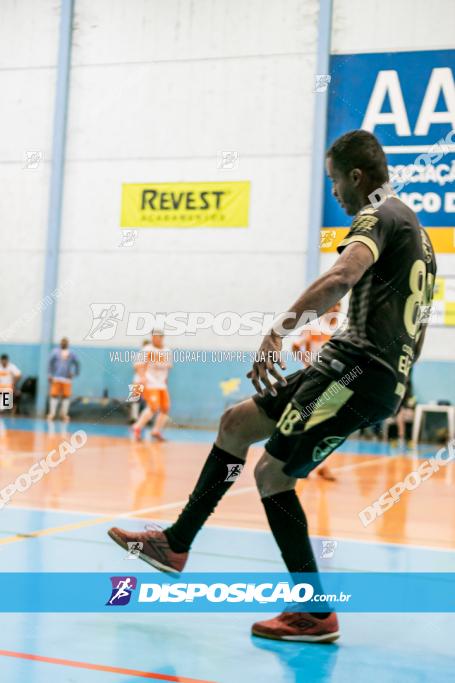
(113, 475)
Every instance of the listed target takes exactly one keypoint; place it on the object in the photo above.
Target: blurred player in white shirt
(153, 374)
(9, 374)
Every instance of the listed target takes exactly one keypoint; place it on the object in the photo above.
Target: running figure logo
(228, 159)
(328, 549)
(128, 239)
(327, 238)
(234, 472)
(122, 587)
(322, 82)
(135, 392)
(105, 320)
(134, 549)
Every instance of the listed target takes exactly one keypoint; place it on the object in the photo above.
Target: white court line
(369, 463)
(131, 513)
(64, 511)
(245, 529)
(340, 538)
(249, 530)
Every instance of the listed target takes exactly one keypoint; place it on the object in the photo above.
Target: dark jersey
(387, 306)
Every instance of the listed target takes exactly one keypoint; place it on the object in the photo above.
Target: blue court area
(378, 648)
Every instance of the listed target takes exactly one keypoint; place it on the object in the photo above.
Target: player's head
(357, 166)
(336, 308)
(158, 338)
(4, 358)
(64, 343)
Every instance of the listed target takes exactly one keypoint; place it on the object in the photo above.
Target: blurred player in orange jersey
(309, 344)
(135, 405)
(63, 366)
(153, 374)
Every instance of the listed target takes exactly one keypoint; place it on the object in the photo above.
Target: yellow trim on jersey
(327, 406)
(365, 240)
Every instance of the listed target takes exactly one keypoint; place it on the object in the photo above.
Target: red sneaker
(299, 626)
(155, 548)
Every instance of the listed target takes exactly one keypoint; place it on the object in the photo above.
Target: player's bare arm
(326, 291)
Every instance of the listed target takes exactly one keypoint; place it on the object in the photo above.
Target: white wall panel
(387, 25)
(28, 54)
(154, 100)
(28, 33)
(26, 112)
(188, 109)
(123, 31)
(22, 273)
(215, 284)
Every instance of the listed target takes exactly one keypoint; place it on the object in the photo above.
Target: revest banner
(185, 205)
(407, 99)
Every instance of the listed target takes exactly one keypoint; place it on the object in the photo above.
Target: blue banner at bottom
(229, 592)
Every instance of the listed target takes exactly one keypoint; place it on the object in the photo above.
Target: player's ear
(356, 176)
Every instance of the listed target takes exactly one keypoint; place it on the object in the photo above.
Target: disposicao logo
(122, 587)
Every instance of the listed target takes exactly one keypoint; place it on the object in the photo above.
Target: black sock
(210, 488)
(289, 526)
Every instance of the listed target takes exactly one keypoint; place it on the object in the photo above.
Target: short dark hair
(4, 356)
(360, 149)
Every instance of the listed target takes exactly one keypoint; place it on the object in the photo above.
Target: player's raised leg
(167, 550)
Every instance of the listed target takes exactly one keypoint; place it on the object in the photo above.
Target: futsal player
(63, 366)
(9, 375)
(154, 375)
(135, 405)
(388, 264)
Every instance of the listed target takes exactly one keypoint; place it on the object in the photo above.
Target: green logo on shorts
(326, 446)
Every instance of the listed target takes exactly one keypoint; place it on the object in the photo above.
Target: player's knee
(231, 424)
(270, 478)
(260, 473)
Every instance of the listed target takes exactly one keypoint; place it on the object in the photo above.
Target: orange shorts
(157, 399)
(59, 388)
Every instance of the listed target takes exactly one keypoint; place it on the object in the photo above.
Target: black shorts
(314, 415)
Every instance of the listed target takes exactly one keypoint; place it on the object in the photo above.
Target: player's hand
(267, 357)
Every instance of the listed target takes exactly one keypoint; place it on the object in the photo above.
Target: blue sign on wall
(407, 99)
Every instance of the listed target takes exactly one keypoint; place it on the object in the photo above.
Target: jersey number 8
(421, 285)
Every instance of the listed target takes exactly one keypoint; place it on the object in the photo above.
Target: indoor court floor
(60, 523)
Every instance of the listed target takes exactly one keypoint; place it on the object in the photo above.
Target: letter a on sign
(387, 83)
